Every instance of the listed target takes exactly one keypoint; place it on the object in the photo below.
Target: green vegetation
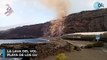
(61, 56)
(96, 44)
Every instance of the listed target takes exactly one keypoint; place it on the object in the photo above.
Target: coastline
(47, 51)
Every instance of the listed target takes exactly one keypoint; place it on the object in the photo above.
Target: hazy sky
(28, 12)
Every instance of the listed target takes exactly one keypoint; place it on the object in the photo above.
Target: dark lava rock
(86, 21)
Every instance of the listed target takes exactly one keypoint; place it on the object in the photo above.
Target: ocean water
(36, 40)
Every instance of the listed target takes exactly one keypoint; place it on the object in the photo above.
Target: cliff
(85, 21)
(30, 31)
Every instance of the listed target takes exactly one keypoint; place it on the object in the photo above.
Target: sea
(13, 41)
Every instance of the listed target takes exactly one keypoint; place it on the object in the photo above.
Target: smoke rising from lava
(61, 6)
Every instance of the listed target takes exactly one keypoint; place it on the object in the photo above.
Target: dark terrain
(86, 21)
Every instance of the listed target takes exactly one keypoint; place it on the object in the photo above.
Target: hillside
(86, 21)
(30, 31)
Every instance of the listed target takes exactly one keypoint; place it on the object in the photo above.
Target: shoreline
(55, 46)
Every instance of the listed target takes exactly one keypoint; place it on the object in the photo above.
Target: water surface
(36, 40)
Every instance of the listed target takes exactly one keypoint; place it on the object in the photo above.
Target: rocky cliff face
(30, 31)
(86, 21)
